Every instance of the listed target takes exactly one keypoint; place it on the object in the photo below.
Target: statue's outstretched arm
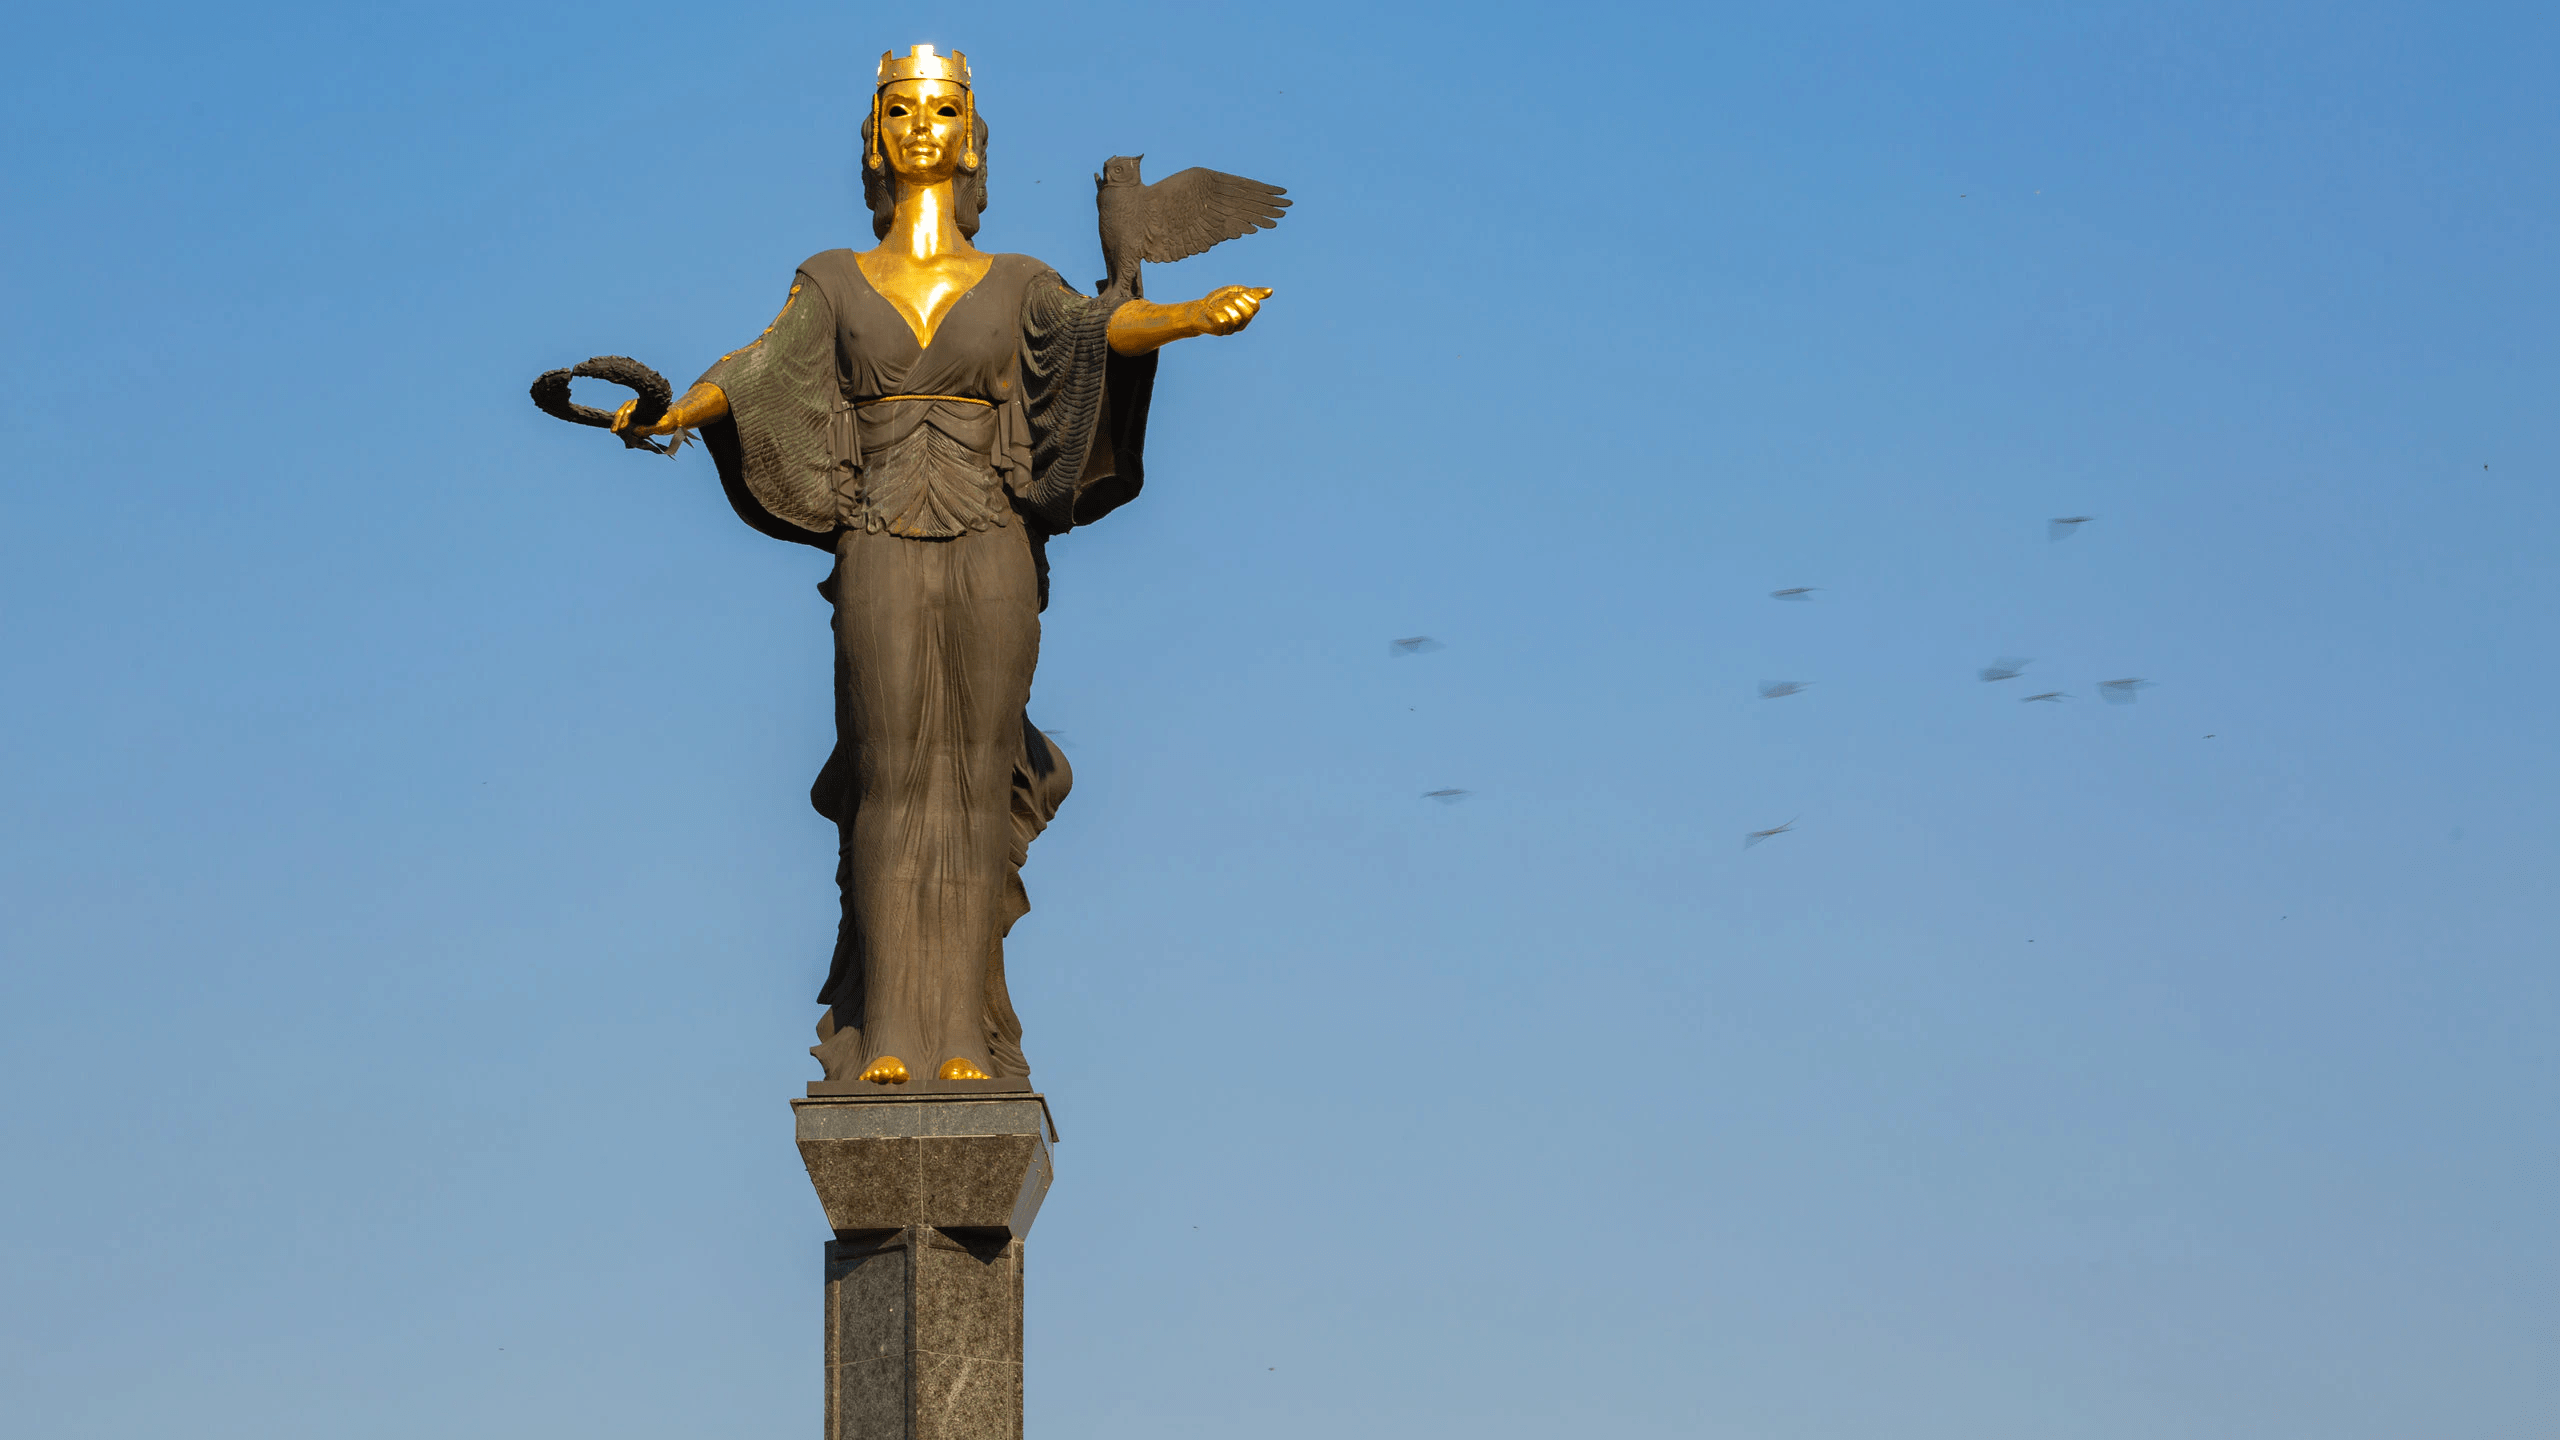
(698, 406)
(705, 402)
(1140, 325)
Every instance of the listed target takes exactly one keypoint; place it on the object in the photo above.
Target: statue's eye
(946, 111)
(899, 110)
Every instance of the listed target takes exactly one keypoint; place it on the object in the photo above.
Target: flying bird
(2121, 692)
(2005, 669)
(1794, 592)
(1756, 836)
(1413, 645)
(1173, 219)
(2053, 695)
(2063, 527)
(1445, 797)
(1781, 689)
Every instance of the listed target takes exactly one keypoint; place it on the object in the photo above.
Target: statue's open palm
(1229, 308)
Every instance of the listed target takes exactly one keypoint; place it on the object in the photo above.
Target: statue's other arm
(698, 406)
(702, 404)
(1140, 326)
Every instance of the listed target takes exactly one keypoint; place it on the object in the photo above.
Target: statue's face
(920, 129)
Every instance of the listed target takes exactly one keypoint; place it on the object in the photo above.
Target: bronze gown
(939, 512)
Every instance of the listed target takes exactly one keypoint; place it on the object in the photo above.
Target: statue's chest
(968, 351)
(924, 295)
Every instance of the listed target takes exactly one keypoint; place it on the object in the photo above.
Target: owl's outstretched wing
(1191, 211)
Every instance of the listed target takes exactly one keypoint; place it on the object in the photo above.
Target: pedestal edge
(960, 1100)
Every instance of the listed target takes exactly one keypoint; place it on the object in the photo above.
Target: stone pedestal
(930, 1196)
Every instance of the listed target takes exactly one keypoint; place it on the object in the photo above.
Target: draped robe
(939, 512)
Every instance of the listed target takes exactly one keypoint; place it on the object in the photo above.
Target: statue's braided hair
(968, 188)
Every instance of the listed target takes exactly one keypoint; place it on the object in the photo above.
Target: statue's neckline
(925, 334)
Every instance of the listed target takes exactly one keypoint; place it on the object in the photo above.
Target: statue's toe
(956, 1068)
(887, 1070)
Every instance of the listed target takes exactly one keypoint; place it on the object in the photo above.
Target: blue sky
(411, 907)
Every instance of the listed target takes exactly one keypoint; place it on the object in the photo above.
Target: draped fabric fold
(778, 448)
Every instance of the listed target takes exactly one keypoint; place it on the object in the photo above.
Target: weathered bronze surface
(934, 415)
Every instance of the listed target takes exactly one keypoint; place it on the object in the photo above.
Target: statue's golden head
(924, 129)
(923, 116)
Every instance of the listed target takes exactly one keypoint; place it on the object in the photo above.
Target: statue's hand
(1227, 309)
(701, 405)
(665, 424)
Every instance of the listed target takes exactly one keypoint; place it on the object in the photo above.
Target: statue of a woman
(934, 414)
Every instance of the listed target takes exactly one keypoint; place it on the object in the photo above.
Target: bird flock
(2008, 667)
(2123, 691)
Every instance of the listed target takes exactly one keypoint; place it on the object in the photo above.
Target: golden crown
(922, 64)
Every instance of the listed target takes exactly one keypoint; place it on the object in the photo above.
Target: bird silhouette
(2121, 692)
(1445, 797)
(1756, 836)
(1173, 219)
(1794, 592)
(2063, 527)
(1413, 645)
(2005, 668)
(1781, 689)
(2052, 695)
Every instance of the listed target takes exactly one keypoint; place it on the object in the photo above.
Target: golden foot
(887, 1070)
(956, 1068)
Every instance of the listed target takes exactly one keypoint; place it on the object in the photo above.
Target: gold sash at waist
(885, 399)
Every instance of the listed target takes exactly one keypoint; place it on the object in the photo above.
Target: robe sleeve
(1087, 407)
(780, 455)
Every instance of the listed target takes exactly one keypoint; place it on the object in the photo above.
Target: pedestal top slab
(958, 1163)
